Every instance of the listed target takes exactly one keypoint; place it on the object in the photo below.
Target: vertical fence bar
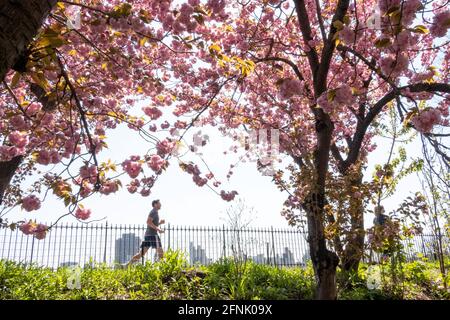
(106, 242)
(32, 250)
(224, 243)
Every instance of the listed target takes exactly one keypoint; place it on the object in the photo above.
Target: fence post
(32, 250)
(423, 246)
(168, 236)
(273, 245)
(106, 242)
(224, 244)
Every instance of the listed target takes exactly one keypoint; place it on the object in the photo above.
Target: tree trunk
(324, 261)
(354, 249)
(7, 170)
(20, 21)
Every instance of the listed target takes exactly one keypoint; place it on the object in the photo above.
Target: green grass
(172, 278)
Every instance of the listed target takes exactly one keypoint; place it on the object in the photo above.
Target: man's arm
(152, 225)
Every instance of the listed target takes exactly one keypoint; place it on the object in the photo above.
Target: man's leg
(138, 255)
(159, 249)
(160, 253)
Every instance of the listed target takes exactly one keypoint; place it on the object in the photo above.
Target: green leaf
(420, 29)
(381, 43)
(338, 25)
(15, 79)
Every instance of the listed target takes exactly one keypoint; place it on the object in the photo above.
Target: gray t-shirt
(155, 218)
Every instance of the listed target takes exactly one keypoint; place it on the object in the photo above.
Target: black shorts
(151, 242)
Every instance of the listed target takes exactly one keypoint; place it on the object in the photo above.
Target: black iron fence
(79, 244)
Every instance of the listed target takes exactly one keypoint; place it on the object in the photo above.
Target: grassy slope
(172, 279)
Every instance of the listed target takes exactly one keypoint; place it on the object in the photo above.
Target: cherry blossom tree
(321, 73)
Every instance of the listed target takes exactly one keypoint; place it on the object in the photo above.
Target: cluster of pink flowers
(132, 166)
(347, 35)
(165, 147)
(409, 9)
(45, 157)
(427, 119)
(9, 152)
(96, 141)
(109, 187)
(394, 65)
(441, 23)
(385, 5)
(18, 122)
(404, 40)
(82, 213)
(133, 186)
(184, 20)
(193, 169)
(343, 96)
(156, 163)
(31, 203)
(33, 108)
(71, 147)
(228, 196)
(165, 125)
(153, 112)
(89, 173)
(290, 88)
(18, 139)
(39, 230)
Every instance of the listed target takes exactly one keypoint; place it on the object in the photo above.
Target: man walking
(151, 238)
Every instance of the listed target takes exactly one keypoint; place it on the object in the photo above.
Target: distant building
(288, 257)
(197, 255)
(259, 259)
(68, 264)
(126, 247)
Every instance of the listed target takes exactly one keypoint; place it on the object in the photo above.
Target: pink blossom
(133, 186)
(409, 10)
(27, 228)
(165, 147)
(290, 87)
(426, 120)
(165, 125)
(33, 108)
(347, 35)
(323, 102)
(31, 203)
(109, 187)
(89, 173)
(48, 119)
(344, 95)
(145, 192)
(199, 180)
(228, 196)
(441, 23)
(18, 122)
(82, 213)
(394, 65)
(43, 157)
(40, 231)
(156, 163)
(86, 190)
(385, 5)
(133, 168)
(152, 112)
